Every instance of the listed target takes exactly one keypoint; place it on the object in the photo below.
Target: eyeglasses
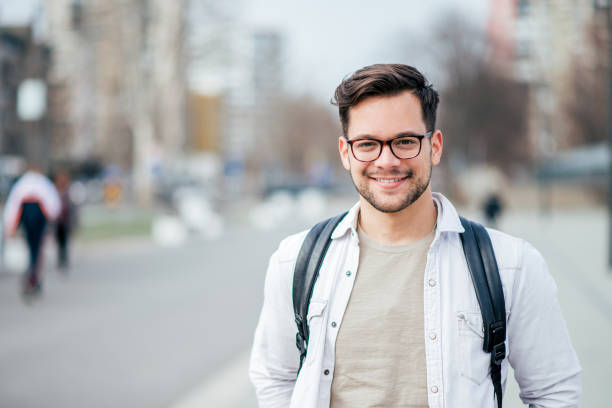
(402, 147)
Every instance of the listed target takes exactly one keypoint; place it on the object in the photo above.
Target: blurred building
(267, 83)
(205, 122)
(24, 121)
(243, 67)
(120, 66)
(500, 31)
(540, 41)
(75, 76)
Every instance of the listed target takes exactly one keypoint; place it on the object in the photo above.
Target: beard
(417, 186)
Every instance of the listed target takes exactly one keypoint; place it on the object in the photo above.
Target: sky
(325, 40)
(16, 11)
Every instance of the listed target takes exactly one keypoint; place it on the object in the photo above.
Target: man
(32, 202)
(394, 319)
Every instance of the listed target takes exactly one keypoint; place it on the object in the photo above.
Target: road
(135, 325)
(132, 325)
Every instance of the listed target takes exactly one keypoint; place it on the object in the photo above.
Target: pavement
(574, 244)
(137, 325)
(132, 324)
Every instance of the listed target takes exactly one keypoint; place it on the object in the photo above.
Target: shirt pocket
(474, 362)
(316, 328)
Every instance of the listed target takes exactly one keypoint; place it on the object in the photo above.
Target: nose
(387, 158)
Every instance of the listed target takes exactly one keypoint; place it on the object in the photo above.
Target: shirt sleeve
(545, 364)
(275, 357)
(10, 217)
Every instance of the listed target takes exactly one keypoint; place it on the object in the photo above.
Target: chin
(395, 203)
(389, 207)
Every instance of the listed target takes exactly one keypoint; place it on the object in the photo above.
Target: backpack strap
(487, 283)
(305, 274)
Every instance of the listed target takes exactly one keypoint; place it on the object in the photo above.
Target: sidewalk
(574, 244)
(229, 388)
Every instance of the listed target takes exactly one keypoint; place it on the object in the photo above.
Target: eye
(406, 141)
(365, 144)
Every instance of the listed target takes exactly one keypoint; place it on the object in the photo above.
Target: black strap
(487, 283)
(306, 273)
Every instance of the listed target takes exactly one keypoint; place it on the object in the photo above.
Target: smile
(389, 180)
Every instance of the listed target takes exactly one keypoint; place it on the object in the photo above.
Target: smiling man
(394, 319)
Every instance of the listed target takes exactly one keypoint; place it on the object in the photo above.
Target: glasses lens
(406, 147)
(366, 150)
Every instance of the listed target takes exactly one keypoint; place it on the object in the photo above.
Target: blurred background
(198, 133)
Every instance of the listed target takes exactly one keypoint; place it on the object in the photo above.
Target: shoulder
(520, 264)
(513, 252)
(523, 270)
(279, 276)
(507, 249)
(289, 247)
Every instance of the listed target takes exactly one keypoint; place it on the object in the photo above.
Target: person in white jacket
(394, 319)
(32, 202)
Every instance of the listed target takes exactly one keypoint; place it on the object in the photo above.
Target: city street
(132, 325)
(136, 325)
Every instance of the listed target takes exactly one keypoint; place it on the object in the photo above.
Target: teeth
(388, 180)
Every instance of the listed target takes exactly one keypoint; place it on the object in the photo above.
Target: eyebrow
(400, 134)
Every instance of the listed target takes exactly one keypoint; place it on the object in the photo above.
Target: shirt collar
(448, 218)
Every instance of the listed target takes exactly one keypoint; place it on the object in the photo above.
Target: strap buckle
(497, 338)
(498, 353)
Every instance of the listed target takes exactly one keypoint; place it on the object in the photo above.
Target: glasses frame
(382, 144)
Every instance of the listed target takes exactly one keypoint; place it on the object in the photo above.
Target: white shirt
(538, 345)
(32, 186)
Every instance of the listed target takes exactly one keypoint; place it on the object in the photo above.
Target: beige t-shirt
(380, 348)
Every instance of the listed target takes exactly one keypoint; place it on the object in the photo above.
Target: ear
(437, 144)
(343, 147)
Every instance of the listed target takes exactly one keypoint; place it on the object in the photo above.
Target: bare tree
(483, 110)
(300, 134)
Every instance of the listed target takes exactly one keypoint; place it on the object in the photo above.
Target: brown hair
(385, 80)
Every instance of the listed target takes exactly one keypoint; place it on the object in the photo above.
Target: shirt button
(333, 324)
(326, 372)
(434, 389)
(432, 283)
(348, 273)
(433, 336)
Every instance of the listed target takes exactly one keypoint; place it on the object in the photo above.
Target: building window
(76, 9)
(523, 8)
(522, 48)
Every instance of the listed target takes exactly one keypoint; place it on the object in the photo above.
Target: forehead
(386, 116)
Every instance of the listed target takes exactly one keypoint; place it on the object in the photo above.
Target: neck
(403, 227)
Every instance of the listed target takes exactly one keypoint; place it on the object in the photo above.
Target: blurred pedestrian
(388, 314)
(32, 202)
(492, 208)
(65, 221)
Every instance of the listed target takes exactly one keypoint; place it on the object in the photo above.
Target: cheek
(357, 171)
